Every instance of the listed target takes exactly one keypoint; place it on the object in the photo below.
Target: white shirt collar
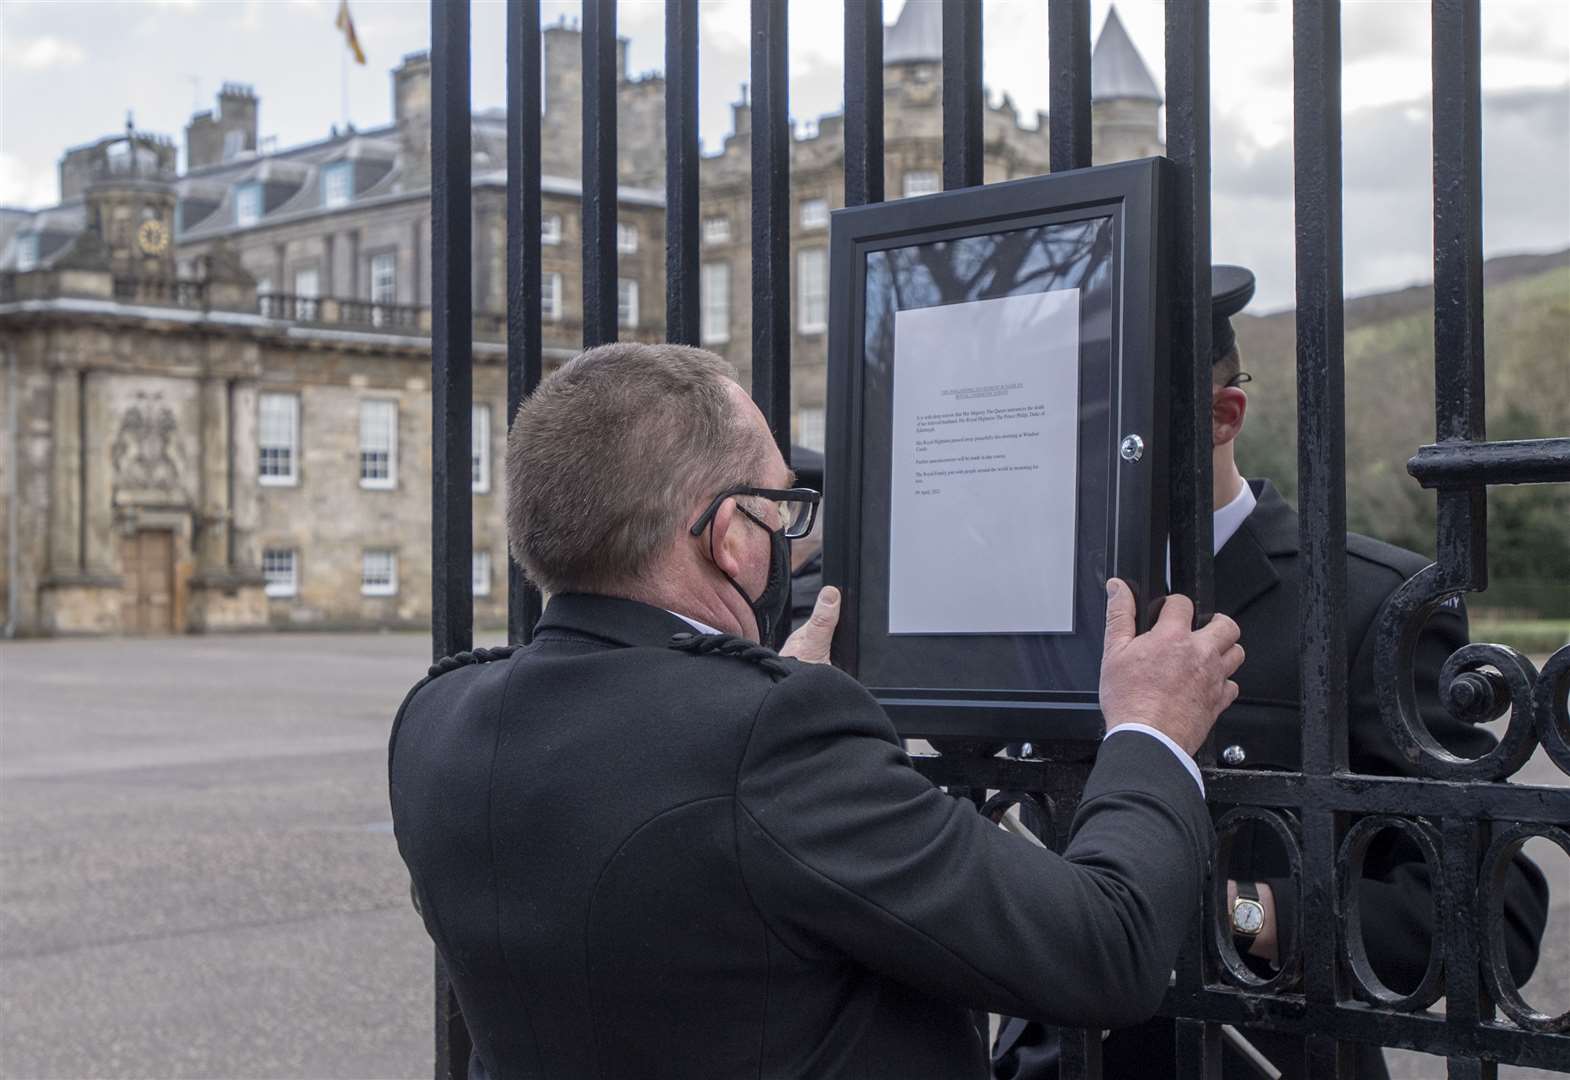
(1230, 517)
(701, 628)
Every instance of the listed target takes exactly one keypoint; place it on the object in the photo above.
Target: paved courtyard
(197, 874)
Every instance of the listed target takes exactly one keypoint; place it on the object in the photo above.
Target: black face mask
(772, 605)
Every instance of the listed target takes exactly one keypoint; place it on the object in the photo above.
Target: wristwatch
(1248, 914)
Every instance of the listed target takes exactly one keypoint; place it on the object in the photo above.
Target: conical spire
(1116, 70)
(917, 35)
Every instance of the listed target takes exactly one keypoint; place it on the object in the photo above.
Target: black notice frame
(1098, 230)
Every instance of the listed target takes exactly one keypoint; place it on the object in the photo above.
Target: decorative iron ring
(1399, 627)
(1233, 968)
(1354, 950)
(1491, 902)
(1553, 710)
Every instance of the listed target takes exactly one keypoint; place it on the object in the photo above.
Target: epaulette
(442, 667)
(1398, 560)
(464, 659)
(738, 647)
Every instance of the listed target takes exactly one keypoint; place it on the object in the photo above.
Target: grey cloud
(1369, 31)
(1388, 190)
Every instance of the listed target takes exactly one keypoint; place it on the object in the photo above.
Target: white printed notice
(986, 431)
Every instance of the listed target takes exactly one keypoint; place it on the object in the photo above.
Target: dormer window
(26, 252)
(248, 204)
(338, 184)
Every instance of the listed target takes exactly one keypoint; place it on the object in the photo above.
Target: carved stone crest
(146, 450)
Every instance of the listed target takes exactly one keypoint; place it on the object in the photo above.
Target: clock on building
(152, 237)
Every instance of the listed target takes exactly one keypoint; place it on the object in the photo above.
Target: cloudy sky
(70, 70)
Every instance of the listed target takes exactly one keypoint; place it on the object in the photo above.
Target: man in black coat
(1257, 584)
(647, 846)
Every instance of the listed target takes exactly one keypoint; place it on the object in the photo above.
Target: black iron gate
(1464, 815)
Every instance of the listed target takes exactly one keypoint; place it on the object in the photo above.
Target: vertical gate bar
(1188, 146)
(771, 219)
(1197, 1049)
(524, 361)
(681, 171)
(1458, 277)
(452, 357)
(863, 102)
(599, 171)
(1466, 1000)
(963, 102)
(1081, 1050)
(1316, 59)
(1068, 49)
(1459, 416)
(1316, 42)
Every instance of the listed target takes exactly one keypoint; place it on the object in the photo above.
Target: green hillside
(1390, 412)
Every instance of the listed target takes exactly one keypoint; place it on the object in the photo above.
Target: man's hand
(1172, 678)
(810, 643)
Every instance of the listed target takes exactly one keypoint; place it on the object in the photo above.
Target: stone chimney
(411, 88)
(215, 137)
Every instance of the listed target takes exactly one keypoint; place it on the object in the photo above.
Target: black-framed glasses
(792, 510)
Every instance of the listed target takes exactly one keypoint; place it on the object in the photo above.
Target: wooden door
(147, 561)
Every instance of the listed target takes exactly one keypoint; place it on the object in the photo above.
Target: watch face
(1248, 917)
(152, 237)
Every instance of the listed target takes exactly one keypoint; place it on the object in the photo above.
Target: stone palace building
(216, 382)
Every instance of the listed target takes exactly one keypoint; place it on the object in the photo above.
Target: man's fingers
(1176, 612)
(1120, 614)
(813, 640)
(1229, 695)
(1222, 633)
(826, 611)
(1232, 660)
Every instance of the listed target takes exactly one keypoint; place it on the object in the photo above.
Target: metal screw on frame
(1132, 448)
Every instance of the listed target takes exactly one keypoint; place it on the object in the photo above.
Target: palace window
(280, 572)
(384, 278)
(627, 303)
(248, 204)
(26, 252)
(714, 294)
(626, 238)
(810, 428)
(378, 572)
(480, 439)
(278, 439)
(482, 572)
(716, 230)
(378, 444)
(921, 182)
(550, 229)
(550, 297)
(814, 213)
(338, 184)
(812, 291)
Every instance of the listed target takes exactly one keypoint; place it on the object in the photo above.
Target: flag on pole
(345, 23)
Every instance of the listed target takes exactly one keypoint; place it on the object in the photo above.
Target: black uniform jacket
(1257, 582)
(638, 861)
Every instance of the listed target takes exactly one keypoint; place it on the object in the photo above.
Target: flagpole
(343, 84)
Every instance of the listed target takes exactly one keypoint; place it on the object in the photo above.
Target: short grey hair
(607, 457)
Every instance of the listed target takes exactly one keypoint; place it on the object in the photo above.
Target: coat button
(1234, 755)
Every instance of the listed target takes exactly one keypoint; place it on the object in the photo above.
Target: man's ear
(721, 540)
(1228, 404)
